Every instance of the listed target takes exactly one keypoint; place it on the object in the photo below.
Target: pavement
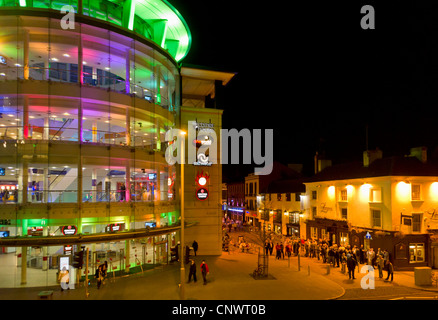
(230, 278)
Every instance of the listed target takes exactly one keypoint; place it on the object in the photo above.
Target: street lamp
(182, 270)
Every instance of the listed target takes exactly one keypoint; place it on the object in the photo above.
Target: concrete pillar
(24, 264)
(94, 187)
(128, 182)
(23, 182)
(26, 54)
(128, 71)
(46, 129)
(80, 61)
(25, 127)
(45, 250)
(94, 131)
(128, 127)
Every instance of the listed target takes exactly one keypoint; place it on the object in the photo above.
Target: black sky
(311, 73)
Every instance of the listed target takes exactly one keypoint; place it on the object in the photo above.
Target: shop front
(406, 251)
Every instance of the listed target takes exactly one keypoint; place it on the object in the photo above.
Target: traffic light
(78, 259)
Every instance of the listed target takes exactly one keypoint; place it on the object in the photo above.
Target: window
(416, 252)
(297, 197)
(314, 233)
(344, 213)
(278, 196)
(376, 218)
(287, 196)
(376, 195)
(324, 234)
(314, 212)
(416, 222)
(314, 195)
(343, 195)
(415, 192)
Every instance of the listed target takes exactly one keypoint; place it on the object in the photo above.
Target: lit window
(415, 192)
(376, 218)
(376, 195)
(343, 195)
(416, 252)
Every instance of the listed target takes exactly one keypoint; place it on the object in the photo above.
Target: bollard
(328, 269)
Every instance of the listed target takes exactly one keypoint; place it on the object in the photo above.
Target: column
(46, 129)
(128, 127)
(128, 71)
(45, 266)
(26, 54)
(94, 186)
(23, 265)
(94, 131)
(80, 61)
(25, 124)
(157, 74)
(24, 182)
(127, 244)
(128, 182)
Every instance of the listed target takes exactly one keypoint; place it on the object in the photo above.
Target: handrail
(94, 238)
(65, 122)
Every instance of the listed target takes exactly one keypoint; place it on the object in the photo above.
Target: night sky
(311, 73)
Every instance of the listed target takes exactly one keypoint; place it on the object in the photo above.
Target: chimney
(321, 164)
(370, 155)
(420, 153)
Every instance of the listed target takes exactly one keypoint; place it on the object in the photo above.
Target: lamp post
(182, 270)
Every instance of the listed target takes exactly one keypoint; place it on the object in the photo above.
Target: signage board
(202, 194)
(69, 230)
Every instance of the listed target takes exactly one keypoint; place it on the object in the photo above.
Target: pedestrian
(205, 271)
(122, 192)
(370, 256)
(271, 247)
(267, 247)
(64, 278)
(99, 276)
(192, 271)
(362, 254)
(104, 271)
(351, 265)
(390, 271)
(282, 249)
(277, 251)
(195, 246)
(380, 265)
(343, 262)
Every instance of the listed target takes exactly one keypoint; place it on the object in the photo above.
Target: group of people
(204, 270)
(345, 257)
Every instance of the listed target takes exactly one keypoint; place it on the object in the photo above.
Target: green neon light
(177, 31)
(131, 15)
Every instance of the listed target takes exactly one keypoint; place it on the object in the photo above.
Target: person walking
(204, 271)
(390, 271)
(267, 247)
(351, 265)
(64, 279)
(195, 246)
(380, 265)
(99, 276)
(271, 247)
(192, 271)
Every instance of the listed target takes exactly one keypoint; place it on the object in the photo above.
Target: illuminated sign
(2, 60)
(115, 227)
(201, 178)
(202, 160)
(69, 230)
(202, 194)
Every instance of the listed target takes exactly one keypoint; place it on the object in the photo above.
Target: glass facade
(83, 113)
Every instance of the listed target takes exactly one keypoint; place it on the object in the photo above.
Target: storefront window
(416, 252)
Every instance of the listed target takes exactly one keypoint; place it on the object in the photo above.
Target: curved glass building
(87, 91)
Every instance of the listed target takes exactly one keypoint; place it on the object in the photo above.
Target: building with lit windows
(387, 203)
(83, 116)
